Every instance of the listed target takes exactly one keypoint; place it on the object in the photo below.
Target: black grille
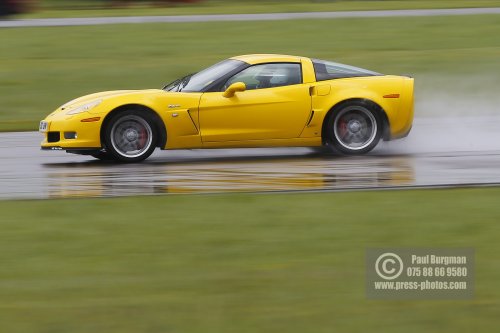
(53, 137)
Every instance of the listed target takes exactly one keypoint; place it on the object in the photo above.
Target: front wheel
(354, 129)
(130, 136)
(102, 155)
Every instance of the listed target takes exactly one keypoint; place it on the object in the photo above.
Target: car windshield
(327, 70)
(201, 80)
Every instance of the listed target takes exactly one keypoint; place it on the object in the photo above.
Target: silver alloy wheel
(131, 136)
(355, 127)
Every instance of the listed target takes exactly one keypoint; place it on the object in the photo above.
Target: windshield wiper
(185, 80)
(176, 83)
(171, 85)
(179, 83)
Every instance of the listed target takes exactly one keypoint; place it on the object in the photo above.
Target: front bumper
(72, 132)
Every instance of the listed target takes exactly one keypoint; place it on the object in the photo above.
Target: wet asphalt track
(438, 152)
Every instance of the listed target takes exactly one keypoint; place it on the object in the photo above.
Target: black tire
(130, 136)
(354, 128)
(102, 155)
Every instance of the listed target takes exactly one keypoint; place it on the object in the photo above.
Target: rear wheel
(354, 129)
(130, 136)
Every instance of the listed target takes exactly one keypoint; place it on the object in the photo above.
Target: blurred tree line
(9, 7)
(108, 3)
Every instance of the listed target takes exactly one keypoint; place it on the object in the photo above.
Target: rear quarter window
(327, 70)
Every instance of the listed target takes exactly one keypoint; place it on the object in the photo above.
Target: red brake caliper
(143, 137)
(342, 127)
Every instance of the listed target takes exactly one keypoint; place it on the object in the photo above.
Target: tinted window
(326, 70)
(268, 76)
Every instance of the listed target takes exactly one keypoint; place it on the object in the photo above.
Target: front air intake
(53, 136)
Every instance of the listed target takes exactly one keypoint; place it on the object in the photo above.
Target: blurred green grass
(237, 263)
(42, 68)
(82, 8)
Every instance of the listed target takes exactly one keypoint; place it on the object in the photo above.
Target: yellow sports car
(259, 100)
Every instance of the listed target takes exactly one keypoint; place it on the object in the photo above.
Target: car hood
(101, 95)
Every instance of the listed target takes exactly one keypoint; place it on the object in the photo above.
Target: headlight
(85, 107)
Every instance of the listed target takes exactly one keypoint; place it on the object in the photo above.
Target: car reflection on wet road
(422, 160)
(254, 174)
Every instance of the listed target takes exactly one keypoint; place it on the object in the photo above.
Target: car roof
(253, 59)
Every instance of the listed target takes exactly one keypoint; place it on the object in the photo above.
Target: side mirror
(233, 88)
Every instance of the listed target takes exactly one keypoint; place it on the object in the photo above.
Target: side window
(268, 76)
(327, 70)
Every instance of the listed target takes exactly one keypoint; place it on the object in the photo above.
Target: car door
(275, 105)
